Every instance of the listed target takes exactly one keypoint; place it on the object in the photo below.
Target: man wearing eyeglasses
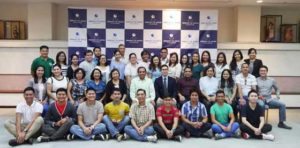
(245, 83)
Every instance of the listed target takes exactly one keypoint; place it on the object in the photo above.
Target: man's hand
(169, 134)
(242, 101)
(21, 137)
(181, 98)
(257, 131)
(87, 131)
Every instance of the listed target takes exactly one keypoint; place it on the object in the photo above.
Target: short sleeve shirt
(253, 116)
(221, 113)
(28, 112)
(142, 114)
(246, 83)
(116, 111)
(167, 116)
(90, 112)
(195, 114)
(47, 64)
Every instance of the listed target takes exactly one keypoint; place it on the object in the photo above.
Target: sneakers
(284, 126)
(245, 136)
(178, 138)
(187, 134)
(13, 142)
(70, 137)
(107, 136)
(152, 138)
(119, 137)
(125, 136)
(208, 134)
(42, 139)
(219, 136)
(98, 137)
(268, 137)
(237, 134)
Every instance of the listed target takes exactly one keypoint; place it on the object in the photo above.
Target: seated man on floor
(168, 121)
(28, 120)
(265, 85)
(90, 115)
(142, 115)
(194, 117)
(116, 116)
(220, 113)
(253, 121)
(59, 118)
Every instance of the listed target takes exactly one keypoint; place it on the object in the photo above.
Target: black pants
(197, 132)
(56, 133)
(162, 134)
(266, 128)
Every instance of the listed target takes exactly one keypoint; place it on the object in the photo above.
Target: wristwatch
(25, 130)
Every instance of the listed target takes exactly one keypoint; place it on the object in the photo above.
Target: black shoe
(284, 126)
(13, 142)
(119, 137)
(29, 141)
(178, 138)
(42, 139)
(71, 137)
(98, 137)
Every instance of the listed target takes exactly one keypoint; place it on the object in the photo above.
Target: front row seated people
(28, 120)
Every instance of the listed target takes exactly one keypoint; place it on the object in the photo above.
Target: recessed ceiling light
(259, 1)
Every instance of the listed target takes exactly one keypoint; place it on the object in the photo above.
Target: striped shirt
(195, 114)
(142, 114)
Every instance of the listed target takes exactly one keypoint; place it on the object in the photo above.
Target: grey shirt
(40, 89)
(90, 112)
(265, 87)
(88, 67)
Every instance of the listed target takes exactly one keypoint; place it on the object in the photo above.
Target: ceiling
(163, 3)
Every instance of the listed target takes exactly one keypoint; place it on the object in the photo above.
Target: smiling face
(40, 72)
(102, 60)
(184, 59)
(97, 52)
(156, 61)
(221, 58)
(237, 56)
(29, 96)
(44, 52)
(91, 95)
(61, 58)
(263, 72)
(168, 101)
(115, 75)
(194, 97)
(164, 53)
(141, 96)
(116, 96)
(75, 60)
(56, 71)
(142, 73)
(226, 75)
(89, 56)
(195, 58)
(210, 72)
(97, 75)
(253, 97)
(205, 57)
(61, 96)
(132, 59)
(252, 54)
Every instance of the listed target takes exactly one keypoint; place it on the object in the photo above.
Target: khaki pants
(36, 126)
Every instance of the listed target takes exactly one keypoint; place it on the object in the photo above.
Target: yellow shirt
(116, 112)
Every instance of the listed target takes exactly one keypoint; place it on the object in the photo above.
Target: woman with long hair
(103, 67)
(174, 66)
(184, 61)
(197, 68)
(154, 68)
(221, 64)
(61, 59)
(74, 65)
(236, 63)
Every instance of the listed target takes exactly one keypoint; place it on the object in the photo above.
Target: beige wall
(13, 12)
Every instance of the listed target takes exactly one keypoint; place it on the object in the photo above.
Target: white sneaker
(152, 138)
(125, 136)
(268, 137)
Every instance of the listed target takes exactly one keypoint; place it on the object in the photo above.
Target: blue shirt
(195, 114)
(155, 74)
(120, 66)
(100, 88)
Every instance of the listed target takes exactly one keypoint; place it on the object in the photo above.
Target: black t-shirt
(253, 116)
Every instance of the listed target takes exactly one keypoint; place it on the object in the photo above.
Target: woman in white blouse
(131, 69)
(104, 68)
(174, 66)
(221, 64)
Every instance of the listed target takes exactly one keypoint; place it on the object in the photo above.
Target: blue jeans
(217, 129)
(275, 103)
(115, 128)
(45, 109)
(78, 131)
(131, 131)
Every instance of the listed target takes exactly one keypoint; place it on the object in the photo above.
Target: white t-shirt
(29, 111)
(105, 73)
(144, 64)
(56, 84)
(246, 83)
(131, 70)
(219, 69)
(209, 85)
(175, 71)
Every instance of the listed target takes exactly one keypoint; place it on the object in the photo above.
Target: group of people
(159, 97)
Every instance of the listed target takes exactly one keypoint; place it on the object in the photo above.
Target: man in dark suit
(165, 86)
(254, 64)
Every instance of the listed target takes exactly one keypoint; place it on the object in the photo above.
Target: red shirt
(167, 117)
(60, 108)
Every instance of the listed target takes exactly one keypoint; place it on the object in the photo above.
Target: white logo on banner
(134, 19)
(114, 37)
(152, 38)
(209, 20)
(171, 19)
(190, 39)
(95, 18)
(77, 37)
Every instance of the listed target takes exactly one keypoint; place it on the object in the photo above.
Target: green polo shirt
(47, 64)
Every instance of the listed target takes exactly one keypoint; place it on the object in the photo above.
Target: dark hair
(57, 57)
(106, 63)
(131, 55)
(209, 58)
(197, 53)
(264, 66)
(165, 65)
(61, 90)
(28, 89)
(141, 67)
(230, 82)
(116, 89)
(144, 52)
(252, 49)
(152, 66)
(233, 64)
(252, 91)
(56, 65)
(176, 55)
(121, 45)
(143, 90)
(196, 91)
(207, 68)
(112, 71)
(96, 48)
(90, 89)
(74, 55)
(115, 52)
(225, 60)
(188, 59)
(220, 92)
(92, 74)
(187, 67)
(78, 70)
(44, 46)
(164, 48)
(88, 51)
(244, 64)
(35, 77)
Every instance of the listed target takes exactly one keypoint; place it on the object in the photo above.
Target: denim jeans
(217, 129)
(78, 131)
(275, 103)
(131, 131)
(115, 128)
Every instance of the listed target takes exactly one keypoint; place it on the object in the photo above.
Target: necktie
(166, 93)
